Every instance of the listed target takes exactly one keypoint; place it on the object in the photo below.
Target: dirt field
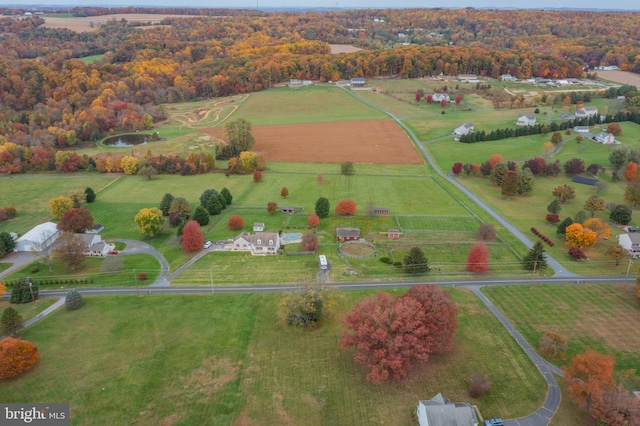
(623, 77)
(85, 24)
(343, 48)
(367, 141)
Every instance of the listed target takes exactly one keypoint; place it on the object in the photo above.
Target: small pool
(294, 237)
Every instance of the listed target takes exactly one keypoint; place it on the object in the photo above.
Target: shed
(258, 227)
(381, 210)
(347, 234)
(393, 234)
(584, 180)
(288, 210)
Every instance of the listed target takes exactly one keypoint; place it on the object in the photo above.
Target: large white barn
(38, 238)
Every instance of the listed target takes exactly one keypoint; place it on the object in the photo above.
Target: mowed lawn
(304, 105)
(224, 359)
(587, 316)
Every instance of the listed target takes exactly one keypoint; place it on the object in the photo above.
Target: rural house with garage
(259, 244)
(439, 411)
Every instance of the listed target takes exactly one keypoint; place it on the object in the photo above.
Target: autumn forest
(51, 98)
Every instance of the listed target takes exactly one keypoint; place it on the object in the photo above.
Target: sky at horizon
(359, 4)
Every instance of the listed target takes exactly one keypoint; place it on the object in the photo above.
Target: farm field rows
(226, 359)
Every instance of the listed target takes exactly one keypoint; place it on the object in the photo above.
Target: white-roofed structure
(38, 238)
(439, 411)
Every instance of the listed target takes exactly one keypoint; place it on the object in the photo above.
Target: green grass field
(587, 316)
(224, 359)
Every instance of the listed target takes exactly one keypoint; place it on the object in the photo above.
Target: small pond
(128, 140)
(293, 237)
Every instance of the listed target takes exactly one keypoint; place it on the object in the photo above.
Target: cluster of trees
(389, 332)
(591, 382)
(48, 95)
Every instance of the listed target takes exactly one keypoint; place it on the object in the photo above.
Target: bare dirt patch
(91, 23)
(367, 141)
(210, 377)
(623, 77)
(337, 49)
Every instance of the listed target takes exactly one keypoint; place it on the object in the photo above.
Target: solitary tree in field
(313, 220)
(149, 221)
(89, 195)
(631, 171)
(617, 252)
(192, 238)
(320, 179)
(588, 375)
(257, 176)
(415, 262)
(16, 357)
(73, 300)
(272, 207)
(478, 258)
(614, 129)
(552, 345)
(346, 208)
(564, 193)
(309, 242)
(556, 138)
(486, 232)
(478, 384)
(11, 322)
(322, 207)
(534, 260)
(306, 306)
(235, 223)
(239, 136)
(621, 214)
(390, 332)
(594, 204)
(284, 192)
(347, 168)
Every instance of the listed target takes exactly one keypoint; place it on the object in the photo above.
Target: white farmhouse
(463, 129)
(440, 411)
(439, 97)
(526, 120)
(261, 243)
(586, 112)
(631, 243)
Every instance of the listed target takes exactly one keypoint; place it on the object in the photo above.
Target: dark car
(494, 422)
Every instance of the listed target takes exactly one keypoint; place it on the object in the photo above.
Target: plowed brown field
(367, 141)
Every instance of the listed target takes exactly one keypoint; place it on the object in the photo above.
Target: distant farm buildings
(526, 120)
(347, 234)
(463, 129)
(358, 81)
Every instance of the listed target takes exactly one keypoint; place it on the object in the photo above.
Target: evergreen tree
(223, 201)
(526, 181)
(213, 206)
(8, 241)
(535, 260)
(89, 195)
(562, 226)
(415, 262)
(11, 322)
(322, 207)
(621, 214)
(206, 195)
(24, 292)
(73, 300)
(227, 195)
(165, 204)
(201, 215)
(554, 207)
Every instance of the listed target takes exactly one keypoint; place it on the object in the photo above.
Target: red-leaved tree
(457, 168)
(443, 103)
(272, 207)
(588, 375)
(346, 207)
(313, 220)
(478, 258)
(16, 357)
(389, 332)
(192, 238)
(257, 176)
(495, 159)
(458, 99)
(631, 171)
(75, 220)
(235, 223)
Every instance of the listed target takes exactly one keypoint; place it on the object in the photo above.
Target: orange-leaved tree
(313, 220)
(495, 159)
(16, 357)
(578, 236)
(235, 223)
(588, 375)
(346, 207)
(192, 238)
(391, 331)
(598, 226)
(631, 171)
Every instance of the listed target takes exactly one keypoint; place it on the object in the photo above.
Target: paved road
(137, 247)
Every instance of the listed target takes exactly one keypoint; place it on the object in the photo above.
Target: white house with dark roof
(261, 243)
(630, 242)
(439, 411)
(439, 97)
(526, 120)
(508, 77)
(586, 112)
(605, 139)
(38, 238)
(463, 129)
(94, 246)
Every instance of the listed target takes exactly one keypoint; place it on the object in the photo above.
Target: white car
(207, 245)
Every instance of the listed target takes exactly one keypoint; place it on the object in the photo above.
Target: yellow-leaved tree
(59, 206)
(578, 236)
(129, 165)
(150, 221)
(248, 160)
(599, 227)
